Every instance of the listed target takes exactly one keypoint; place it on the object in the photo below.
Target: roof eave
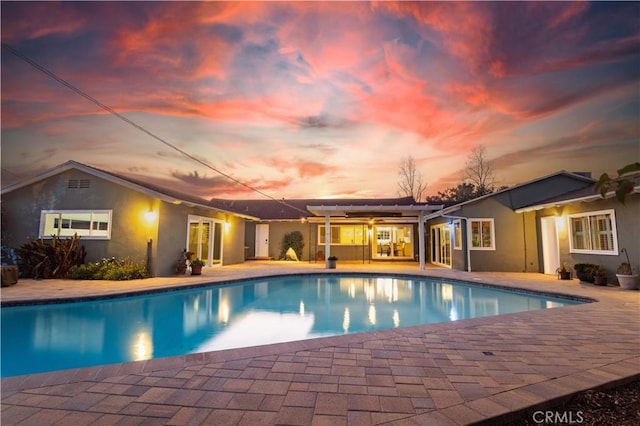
(583, 199)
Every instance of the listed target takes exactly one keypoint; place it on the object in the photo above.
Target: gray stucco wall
(130, 232)
(627, 226)
(277, 230)
(515, 237)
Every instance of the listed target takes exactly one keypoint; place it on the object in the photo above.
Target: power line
(138, 126)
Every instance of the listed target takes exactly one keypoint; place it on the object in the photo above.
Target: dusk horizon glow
(321, 100)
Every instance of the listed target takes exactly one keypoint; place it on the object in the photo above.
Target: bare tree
(479, 171)
(410, 183)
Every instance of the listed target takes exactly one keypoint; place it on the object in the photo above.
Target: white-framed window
(457, 234)
(344, 234)
(88, 224)
(482, 234)
(593, 232)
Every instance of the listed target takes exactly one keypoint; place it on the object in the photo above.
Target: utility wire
(139, 127)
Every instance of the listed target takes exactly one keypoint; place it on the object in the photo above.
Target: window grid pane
(481, 234)
(593, 232)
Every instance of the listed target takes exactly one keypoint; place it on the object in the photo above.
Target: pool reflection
(53, 337)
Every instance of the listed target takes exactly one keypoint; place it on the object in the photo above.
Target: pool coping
(501, 406)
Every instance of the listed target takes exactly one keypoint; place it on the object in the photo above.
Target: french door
(441, 245)
(205, 239)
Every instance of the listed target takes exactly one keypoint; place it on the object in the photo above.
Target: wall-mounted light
(227, 225)
(150, 215)
(560, 224)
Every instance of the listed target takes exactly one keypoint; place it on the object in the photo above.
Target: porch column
(421, 239)
(327, 238)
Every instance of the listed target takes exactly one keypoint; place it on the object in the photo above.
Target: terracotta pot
(196, 270)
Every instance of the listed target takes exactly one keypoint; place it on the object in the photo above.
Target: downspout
(421, 239)
(524, 240)
(327, 238)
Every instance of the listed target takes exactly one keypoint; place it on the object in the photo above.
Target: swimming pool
(40, 338)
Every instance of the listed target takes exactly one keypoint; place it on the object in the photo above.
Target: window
(343, 234)
(65, 223)
(457, 235)
(593, 233)
(482, 234)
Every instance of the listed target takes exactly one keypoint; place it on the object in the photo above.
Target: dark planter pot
(584, 276)
(331, 264)
(9, 275)
(599, 280)
(196, 270)
(564, 275)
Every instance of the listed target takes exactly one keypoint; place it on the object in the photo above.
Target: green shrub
(110, 269)
(293, 239)
(50, 259)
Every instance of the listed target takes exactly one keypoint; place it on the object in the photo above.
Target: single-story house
(116, 216)
(530, 227)
(360, 229)
(582, 227)
(494, 232)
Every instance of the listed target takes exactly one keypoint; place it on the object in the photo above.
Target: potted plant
(599, 276)
(564, 272)
(627, 279)
(332, 262)
(9, 267)
(584, 271)
(196, 266)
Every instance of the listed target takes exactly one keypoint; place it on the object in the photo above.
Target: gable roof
(583, 195)
(164, 194)
(576, 176)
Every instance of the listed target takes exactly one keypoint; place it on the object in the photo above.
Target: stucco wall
(129, 232)
(132, 236)
(627, 226)
(509, 253)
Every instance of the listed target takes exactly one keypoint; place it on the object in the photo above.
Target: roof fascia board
(377, 220)
(583, 199)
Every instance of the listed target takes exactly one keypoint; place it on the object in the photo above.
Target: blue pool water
(41, 338)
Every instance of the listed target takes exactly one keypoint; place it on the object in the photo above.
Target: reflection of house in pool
(302, 308)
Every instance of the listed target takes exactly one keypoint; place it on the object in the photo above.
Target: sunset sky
(303, 99)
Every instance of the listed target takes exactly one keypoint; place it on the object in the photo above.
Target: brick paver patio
(470, 371)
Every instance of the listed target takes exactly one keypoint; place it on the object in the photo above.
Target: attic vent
(81, 183)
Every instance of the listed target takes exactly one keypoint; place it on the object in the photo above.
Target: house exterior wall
(129, 230)
(159, 242)
(515, 238)
(312, 249)
(627, 227)
(517, 247)
(277, 230)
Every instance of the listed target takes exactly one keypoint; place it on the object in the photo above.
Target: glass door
(205, 239)
(395, 241)
(441, 245)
